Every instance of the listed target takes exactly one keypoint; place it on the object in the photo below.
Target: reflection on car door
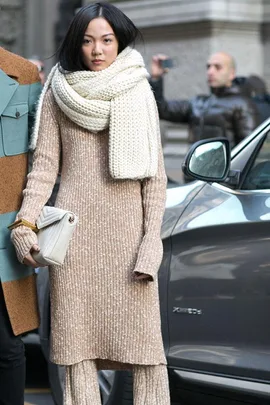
(219, 290)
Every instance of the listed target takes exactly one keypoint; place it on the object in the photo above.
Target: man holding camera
(224, 112)
(19, 89)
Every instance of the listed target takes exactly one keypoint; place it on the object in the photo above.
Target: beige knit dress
(98, 310)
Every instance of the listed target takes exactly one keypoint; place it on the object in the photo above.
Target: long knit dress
(98, 310)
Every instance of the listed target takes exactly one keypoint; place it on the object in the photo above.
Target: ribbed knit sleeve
(154, 198)
(41, 179)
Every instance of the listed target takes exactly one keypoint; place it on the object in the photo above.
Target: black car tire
(122, 389)
(120, 393)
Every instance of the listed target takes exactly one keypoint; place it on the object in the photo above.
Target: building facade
(188, 31)
(191, 30)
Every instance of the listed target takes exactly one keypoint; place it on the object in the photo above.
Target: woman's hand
(141, 276)
(29, 260)
(156, 68)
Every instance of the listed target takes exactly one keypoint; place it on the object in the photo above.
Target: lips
(97, 61)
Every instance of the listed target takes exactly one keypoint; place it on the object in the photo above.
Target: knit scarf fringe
(119, 98)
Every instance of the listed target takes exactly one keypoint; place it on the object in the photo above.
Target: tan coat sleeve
(154, 198)
(42, 177)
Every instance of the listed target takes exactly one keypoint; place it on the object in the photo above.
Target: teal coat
(19, 91)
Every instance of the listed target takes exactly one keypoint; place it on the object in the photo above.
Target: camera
(168, 63)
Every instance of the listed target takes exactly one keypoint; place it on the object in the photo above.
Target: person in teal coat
(19, 90)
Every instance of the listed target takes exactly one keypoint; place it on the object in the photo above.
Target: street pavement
(38, 397)
(37, 390)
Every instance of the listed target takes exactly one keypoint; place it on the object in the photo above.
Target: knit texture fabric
(150, 385)
(106, 99)
(98, 310)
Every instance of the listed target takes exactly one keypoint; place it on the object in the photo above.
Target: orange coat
(19, 91)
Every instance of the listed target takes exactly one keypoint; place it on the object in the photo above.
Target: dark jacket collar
(225, 91)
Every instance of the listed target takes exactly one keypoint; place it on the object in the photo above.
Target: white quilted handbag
(56, 227)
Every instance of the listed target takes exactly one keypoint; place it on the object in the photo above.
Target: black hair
(70, 53)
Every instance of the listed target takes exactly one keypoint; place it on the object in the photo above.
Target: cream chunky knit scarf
(119, 98)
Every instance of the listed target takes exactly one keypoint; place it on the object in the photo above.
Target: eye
(86, 41)
(107, 40)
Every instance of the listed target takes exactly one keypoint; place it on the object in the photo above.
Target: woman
(97, 110)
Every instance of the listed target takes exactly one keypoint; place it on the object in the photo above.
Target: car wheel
(116, 387)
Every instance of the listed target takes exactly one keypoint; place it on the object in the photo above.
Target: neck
(219, 90)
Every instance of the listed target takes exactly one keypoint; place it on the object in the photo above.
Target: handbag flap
(49, 215)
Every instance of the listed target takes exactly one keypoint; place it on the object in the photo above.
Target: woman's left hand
(142, 276)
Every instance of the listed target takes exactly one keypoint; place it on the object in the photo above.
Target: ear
(232, 74)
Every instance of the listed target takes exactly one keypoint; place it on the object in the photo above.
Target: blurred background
(186, 30)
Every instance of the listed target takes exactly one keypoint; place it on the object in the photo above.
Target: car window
(258, 177)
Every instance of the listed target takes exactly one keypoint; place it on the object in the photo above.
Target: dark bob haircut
(69, 52)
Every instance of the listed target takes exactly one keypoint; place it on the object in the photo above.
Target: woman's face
(100, 45)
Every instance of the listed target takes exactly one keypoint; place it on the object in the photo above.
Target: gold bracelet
(24, 222)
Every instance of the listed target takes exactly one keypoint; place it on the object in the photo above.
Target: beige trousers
(150, 385)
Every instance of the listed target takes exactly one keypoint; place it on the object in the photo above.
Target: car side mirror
(208, 160)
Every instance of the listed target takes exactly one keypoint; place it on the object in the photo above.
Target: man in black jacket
(223, 112)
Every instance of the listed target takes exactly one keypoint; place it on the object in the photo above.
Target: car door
(219, 286)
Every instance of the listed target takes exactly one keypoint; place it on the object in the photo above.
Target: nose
(97, 48)
(210, 73)
(210, 70)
